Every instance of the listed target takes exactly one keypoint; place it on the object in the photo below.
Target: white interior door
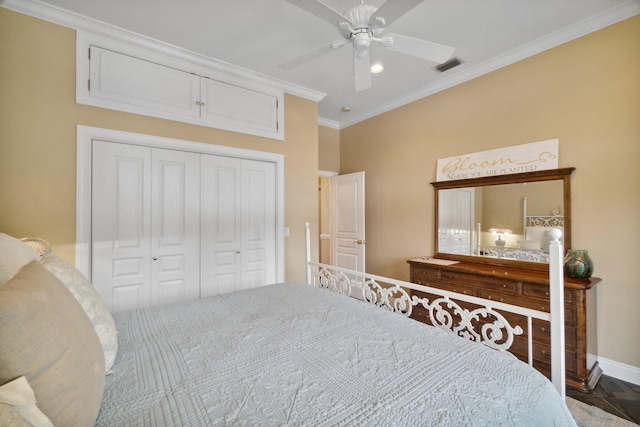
(347, 224)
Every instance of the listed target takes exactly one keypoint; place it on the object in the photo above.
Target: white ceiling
(261, 34)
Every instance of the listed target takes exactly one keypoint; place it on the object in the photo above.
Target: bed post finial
(556, 300)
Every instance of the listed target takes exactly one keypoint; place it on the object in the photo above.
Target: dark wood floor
(612, 395)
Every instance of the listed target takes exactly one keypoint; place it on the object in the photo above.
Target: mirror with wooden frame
(504, 219)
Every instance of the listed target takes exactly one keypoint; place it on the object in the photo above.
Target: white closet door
(258, 237)
(175, 226)
(145, 225)
(121, 243)
(220, 241)
(238, 224)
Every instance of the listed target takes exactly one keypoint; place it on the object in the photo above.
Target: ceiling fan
(363, 25)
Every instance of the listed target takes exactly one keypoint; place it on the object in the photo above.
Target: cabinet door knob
(237, 251)
(155, 258)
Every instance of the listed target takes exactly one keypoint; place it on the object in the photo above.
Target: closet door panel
(220, 244)
(121, 189)
(126, 83)
(233, 107)
(258, 223)
(175, 229)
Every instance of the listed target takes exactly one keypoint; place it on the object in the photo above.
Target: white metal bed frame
(445, 313)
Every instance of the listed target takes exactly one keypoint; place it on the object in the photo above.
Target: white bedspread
(291, 354)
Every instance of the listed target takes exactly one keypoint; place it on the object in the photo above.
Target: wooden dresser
(527, 289)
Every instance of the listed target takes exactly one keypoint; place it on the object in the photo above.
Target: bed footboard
(483, 323)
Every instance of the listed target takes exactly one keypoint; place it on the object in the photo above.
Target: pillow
(39, 246)
(47, 337)
(530, 245)
(91, 303)
(18, 405)
(535, 233)
(13, 256)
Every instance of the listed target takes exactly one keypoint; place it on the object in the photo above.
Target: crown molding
(333, 124)
(79, 22)
(572, 32)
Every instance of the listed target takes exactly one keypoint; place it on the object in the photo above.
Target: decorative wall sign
(530, 157)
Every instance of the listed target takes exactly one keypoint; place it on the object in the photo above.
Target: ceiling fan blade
(320, 10)
(415, 47)
(394, 9)
(289, 65)
(362, 71)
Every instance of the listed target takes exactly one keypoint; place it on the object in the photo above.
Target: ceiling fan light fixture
(361, 43)
(377, 68)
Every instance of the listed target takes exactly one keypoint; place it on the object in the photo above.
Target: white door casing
(347, 222)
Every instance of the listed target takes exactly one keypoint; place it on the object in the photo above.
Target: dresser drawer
(456, 287)
(506, 285)
(424, 276)
(511, 299)
(542, 334)
(539, 291)
(471, 280)
(542, 359)
(542, 353)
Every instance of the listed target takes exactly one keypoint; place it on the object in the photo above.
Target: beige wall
(587, 94)
(38, 140)
(329, 147)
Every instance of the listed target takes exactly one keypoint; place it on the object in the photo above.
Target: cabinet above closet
(122, 77)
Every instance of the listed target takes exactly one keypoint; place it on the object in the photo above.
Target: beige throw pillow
(13, 256)
(91, 303)
(47, 337)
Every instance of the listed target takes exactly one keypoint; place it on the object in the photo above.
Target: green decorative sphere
(578, 264)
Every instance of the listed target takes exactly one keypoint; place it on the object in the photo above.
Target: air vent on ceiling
(453, 62)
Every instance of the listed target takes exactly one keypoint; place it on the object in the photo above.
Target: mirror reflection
(510, 221)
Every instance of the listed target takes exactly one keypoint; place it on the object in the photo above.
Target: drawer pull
(544, 331)
(546, 294)
(499, 299)
(504, 285)
(545, 354)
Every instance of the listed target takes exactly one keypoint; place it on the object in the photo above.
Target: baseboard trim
(618, 370)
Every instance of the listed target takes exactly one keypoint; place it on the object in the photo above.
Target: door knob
(360, 242)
